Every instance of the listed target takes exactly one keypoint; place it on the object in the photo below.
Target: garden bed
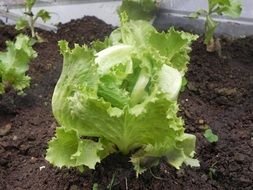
(219, 94)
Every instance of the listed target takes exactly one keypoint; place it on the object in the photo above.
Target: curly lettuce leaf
(14, 63)
(68, 150)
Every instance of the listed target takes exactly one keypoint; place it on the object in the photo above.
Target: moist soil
(219, 95)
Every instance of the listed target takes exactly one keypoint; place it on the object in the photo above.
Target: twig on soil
(111, 183)
(126, 183)
(156, 177)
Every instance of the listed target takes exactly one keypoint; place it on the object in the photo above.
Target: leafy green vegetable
(121, 95)
(230, 8)
(210, 137)
(139, 9)
(14, 64)
(29, 22)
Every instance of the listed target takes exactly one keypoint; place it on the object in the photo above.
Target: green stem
(32, 21)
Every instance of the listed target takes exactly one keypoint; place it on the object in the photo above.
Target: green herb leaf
(44, 15)
(30, 3)
(21, 24)
(233, 10)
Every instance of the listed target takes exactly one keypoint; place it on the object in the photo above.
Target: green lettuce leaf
(14, 63)
(70, 151)
(139, 9)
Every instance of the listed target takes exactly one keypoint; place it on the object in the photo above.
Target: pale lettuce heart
(170, 82)
(109, 57)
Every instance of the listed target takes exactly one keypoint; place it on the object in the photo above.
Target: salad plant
(139, 9)
(120, 95)
(29, 22)
(231, 8)
(14, 64)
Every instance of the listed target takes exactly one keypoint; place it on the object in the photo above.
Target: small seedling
(229, 8)
(29, 19)
(210, 137)
(212, 172)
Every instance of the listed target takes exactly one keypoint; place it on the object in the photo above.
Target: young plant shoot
(14, 64)
(121, 95)
(29, 19)
(230, 8)
(210, 136)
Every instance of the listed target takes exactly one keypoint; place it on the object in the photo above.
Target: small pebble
(53, 126)
(74, 187)
(187, 113)
(201, 121)
(239, 157)
(33, 159)
(204, 177)
(203, 127)
(244, 179)
(5, 129)
(180, 173)
(14, 138)
(192, 87)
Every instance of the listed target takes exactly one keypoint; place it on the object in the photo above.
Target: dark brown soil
(219, 94)
(6, 33)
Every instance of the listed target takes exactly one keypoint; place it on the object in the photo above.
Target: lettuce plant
(120, 95)
(23, 22)
(230, 8)
(14, 64)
